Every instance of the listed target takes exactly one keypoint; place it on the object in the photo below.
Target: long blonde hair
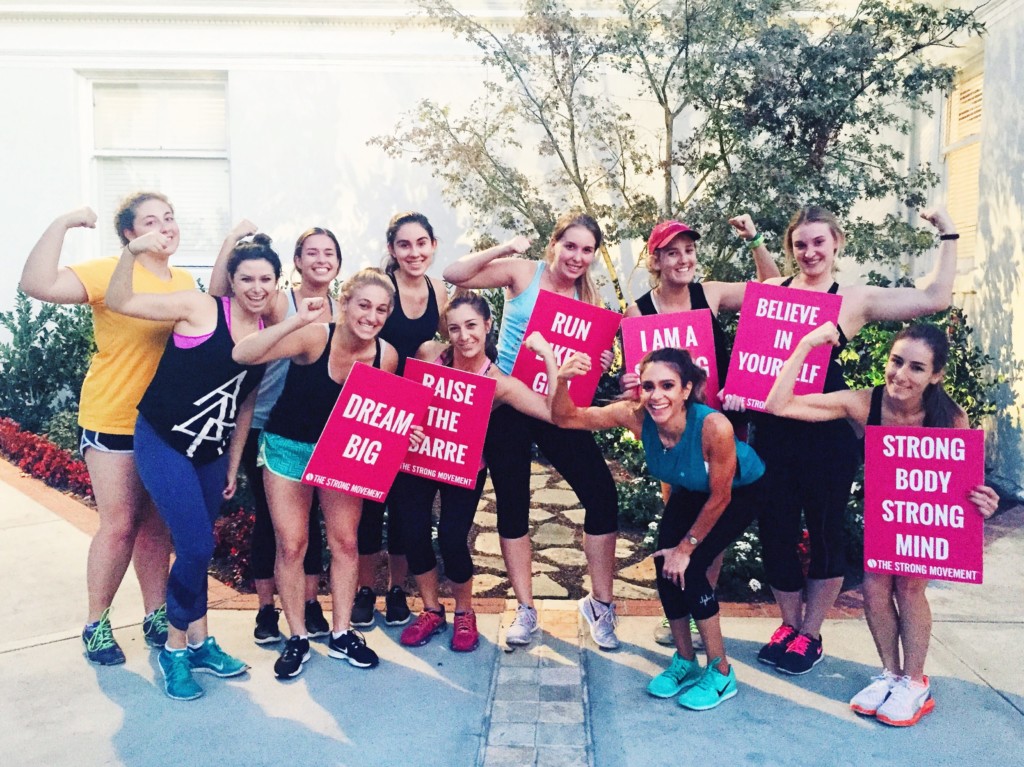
(585, 283)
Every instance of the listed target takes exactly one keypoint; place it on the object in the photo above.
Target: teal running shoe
(679, 675)
(154, 627)
(100, 647)
(712, 689)
(208, 658)
(177, 671)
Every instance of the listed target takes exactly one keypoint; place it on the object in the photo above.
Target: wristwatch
(692, 540)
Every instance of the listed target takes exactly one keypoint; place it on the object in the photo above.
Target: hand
(518, 245)
(744, 226)
(630, 385)
(577, 365)
(985, 499)
(150, 242)
(674, 567)
(230, 486)
(537, 343)
(607, 358)
(243, 228)
(940, 219)
(311, 308)
(823, 335)
(732, 402)
(416, 437)
(83, 217)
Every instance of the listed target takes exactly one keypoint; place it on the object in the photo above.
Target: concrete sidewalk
(561, 702)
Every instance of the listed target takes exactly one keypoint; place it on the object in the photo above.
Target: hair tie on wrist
(954, 236)
(756, 241)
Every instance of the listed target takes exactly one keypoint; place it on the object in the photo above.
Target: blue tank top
(513, 322)
(684, 465)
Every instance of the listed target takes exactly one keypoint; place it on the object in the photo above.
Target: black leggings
(370, 533)
(264, 543)
(574, 454)
(412, 505)
(809, 468)
(698, 597)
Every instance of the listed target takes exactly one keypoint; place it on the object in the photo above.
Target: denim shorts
(284, 457)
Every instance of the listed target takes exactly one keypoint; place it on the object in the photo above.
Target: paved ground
(560, 702)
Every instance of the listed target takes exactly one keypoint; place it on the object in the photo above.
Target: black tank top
(405, 334)
(875, 413)
(697, 301)
(308, 397)
(194, 396)
(834, 380)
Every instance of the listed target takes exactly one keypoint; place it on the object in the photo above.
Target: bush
(43, 460)
(62, 430)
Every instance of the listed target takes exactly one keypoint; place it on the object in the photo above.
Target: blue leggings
(188, 498)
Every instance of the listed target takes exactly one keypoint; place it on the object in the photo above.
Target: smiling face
(662, 393)
(254, 283)
(155, 216)
(413, 249)
(318, 260)
(468, 330)
(366, 310)
(676, 263)
(815, 245)
(573, 253)
(910, 370)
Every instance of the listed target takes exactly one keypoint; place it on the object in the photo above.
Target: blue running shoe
(100, 647)
(154, 627)
(210, 659)
(712, 689)
(177, 671)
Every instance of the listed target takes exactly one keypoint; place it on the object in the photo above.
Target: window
(169, 135)
(963, 156)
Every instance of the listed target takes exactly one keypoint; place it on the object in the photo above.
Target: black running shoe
(397, 613)
(352, 647)
(295, 653)
(771, 653)
(266, 631)
(316, 623)
(362, 608)
(802, 654)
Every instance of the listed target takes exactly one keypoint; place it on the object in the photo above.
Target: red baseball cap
(667, 231)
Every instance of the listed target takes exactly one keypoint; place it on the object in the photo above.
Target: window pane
(158, 116)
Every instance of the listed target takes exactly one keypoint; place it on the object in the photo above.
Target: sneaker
(695, 638)
(802, 654)
(427, 624)
(680, 674)
(396, 611)
(868, 700)
(352, 647)
(465, 637)
(524, 625)
(602, 622)
(210, 659)
(177, 671)
(772, 652)
(711, 689)
(100, 647)
(362, 608)
(316, 623)
(154, 627)
(663, 635)
(266, 631)
(289, 663)
(907, 703)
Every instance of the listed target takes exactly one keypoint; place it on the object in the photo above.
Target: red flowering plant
(232, 535)
(40, 458)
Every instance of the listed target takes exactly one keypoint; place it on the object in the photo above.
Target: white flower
(652, 526)
(755, 584)
(855, 487)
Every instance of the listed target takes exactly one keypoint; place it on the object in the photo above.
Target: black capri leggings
(413, 504)
(809, 468)
(370, 533)
(264, 543)
(698, 599)
(574, 454)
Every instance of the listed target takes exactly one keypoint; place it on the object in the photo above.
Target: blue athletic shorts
(284, 457)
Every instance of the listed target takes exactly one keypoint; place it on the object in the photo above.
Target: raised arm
(512, 391)
(121, 296)
(42, 277)
(729, 295)
(294, 338)
(496, 267)
(220, 283)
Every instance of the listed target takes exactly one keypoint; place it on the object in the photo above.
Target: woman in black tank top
(366, 301)
(895, 606)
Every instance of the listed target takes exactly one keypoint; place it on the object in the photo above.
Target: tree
(760, 110)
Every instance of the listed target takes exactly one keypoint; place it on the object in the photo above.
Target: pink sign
(570, 326)
(917, 519)
(456, 424)
(772, 320)
(367, 434)
(678, 330)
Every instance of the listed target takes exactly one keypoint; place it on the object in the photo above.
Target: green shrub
(62, 429)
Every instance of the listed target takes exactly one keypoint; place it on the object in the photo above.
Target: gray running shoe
(602, 622)
(523, 626)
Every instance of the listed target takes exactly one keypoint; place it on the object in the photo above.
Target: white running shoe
(602, 622)
(907, 703)
(523, 626)
(868, 700)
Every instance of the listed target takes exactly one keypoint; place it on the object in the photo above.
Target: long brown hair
(584, 283)
(939, 408)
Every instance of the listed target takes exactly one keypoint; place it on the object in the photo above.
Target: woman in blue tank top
(895, 606)
(714, 482)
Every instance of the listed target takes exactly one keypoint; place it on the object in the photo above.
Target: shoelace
(292, 651)
(180, 668)
(799, 644)
(523, 616)
(102, 637)
(609, 616)
(781, 633)
(465, 623)
(158, 621)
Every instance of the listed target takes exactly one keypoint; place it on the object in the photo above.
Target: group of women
(187, 387)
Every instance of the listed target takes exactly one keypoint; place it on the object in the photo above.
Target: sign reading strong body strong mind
(917, 518)
(570, 326)
(367, 434)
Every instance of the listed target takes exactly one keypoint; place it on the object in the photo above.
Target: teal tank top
(513, 322)
(683, 465)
